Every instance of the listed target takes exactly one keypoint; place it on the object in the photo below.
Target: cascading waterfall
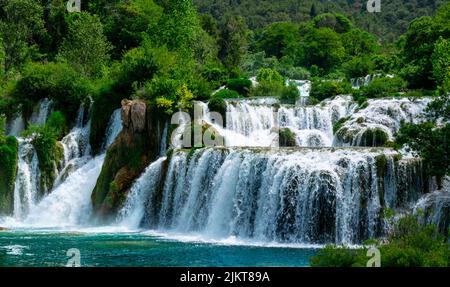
(257, 124)
(288, 195)
(384, 115)
(41, 112)
(27, 180)
(133, 210)
(68, 204)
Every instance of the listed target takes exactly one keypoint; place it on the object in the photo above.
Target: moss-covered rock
(135, 147)
(286, 138)
(8, 169)
(374, 137)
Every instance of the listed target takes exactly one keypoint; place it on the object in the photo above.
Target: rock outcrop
(135, 147)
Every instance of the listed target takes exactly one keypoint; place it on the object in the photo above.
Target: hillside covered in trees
(391, 22)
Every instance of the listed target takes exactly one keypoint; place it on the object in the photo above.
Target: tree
(337, 22)
(313, 11)
(323, 47)
(279, 39)
(85, 46)
(233, 43)
(358, 42)
(441, 63)
(20, 25)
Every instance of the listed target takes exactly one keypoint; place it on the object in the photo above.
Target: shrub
(322, 90)
(287, 138)
(269, 76)
(289, 94)
(226, 94)
(296, 73)
(409, 245)
(240, 85)
(358, 67)
(384, 87)
(217, 104)
(56, 81)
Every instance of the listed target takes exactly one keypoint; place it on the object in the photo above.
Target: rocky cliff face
(134, 148)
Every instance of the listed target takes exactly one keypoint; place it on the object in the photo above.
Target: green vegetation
(8, 167)
(322, 89)
(49, 151)
(409, 245)
(287, 138)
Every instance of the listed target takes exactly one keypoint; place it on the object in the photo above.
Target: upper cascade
(257, 122)
(379, 121)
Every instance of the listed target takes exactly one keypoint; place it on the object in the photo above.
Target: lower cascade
(296, 195)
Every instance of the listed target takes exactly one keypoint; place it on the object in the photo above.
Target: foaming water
(308, 196)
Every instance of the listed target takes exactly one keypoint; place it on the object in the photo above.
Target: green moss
(339, 124)
(8, 168)
(374, 137)
(381, 162)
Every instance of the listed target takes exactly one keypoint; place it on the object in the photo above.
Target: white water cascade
(133, 210)
(258, 124)
(289, 195)
(27, 179)
(68, 204)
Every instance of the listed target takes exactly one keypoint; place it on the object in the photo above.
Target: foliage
(432, 143)
(337, 22)
(233, 41)
(226, 94)
(289, 94)
(8, 167)
(323, 48)
(21, 24)
(287, 138)
(323, 89)
(55, 81)
(441, 63)
(184, 97)
(409, 245)
(358, 67)
(85, 46)
(269, 76)
(278, 39)
(240, 85)
(384, 87)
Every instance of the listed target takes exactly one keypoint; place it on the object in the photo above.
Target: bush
(289, 94)
(267, 89)
(226, 94)
(217, 104)
(269, 76)
(384, 87)
(296, 73)
(240, 85)
(432, 144)
(56, 81)
(322, 90)
(287, 138)
(409, 245)
(358, 67)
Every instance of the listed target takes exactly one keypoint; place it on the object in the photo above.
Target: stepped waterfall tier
(287, 195)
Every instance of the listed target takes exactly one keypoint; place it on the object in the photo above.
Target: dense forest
(388, 25)
(169, 53)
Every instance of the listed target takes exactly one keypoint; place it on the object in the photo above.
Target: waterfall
(304, 89)
(16, 126)
(288, 195)
(27, 179)
(113, 129)
(385, 115)
(69, 203)
(257, 123)
(134, 207)
(41, 112)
